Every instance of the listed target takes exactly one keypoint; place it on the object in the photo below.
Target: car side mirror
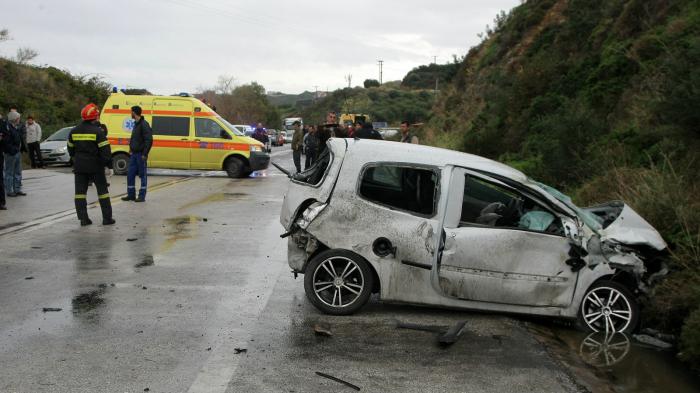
(571, 230)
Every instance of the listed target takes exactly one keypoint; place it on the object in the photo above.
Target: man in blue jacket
(3, 131)
(139, 147)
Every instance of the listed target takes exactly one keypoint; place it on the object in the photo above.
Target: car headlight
(255, 148)
(62, 149)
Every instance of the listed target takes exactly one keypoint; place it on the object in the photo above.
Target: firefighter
(89, 148)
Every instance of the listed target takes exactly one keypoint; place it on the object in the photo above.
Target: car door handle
(183, 139)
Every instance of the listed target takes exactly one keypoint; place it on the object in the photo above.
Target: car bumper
(55, 158)
(259, 160)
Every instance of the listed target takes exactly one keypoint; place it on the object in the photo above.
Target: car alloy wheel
(338, 282)
(609, 307)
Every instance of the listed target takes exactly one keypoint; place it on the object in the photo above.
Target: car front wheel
(338, 282)
(609, 307)
(120, 163)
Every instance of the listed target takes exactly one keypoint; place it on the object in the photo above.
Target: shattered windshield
(588, 218)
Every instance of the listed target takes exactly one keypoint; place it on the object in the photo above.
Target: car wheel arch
(235, 155)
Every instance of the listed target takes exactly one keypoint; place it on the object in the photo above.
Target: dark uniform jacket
(12, 138)
(368, 133)
(89, 148)
(141, 137)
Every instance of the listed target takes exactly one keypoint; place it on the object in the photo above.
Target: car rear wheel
(609, 307)
(235, 167)
(338, 282)
(120, 163)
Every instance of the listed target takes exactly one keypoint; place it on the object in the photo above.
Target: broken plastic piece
(452, 335)
(51, 309)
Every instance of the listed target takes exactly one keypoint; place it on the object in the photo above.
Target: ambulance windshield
(231, 127)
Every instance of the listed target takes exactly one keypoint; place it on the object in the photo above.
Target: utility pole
(434, 59)
(316, 93)
(381, 62)
(348, 78)
(436, 76)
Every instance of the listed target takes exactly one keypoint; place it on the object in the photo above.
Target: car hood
(631, 229)
(51, 145)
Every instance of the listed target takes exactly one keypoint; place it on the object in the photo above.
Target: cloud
(169, 46)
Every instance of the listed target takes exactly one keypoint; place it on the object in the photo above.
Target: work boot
(108, 221)
(20, 193)
(2, 207)
(85, 222)
(140, 199)
(128, 198)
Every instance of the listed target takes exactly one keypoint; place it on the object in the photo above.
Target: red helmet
(90, 112)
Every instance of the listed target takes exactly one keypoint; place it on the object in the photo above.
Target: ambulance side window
(208, 128)
(171, 126)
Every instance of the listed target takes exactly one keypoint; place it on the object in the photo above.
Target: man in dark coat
(89, 148)
(139, 147)
(368, 132)
(3, 131)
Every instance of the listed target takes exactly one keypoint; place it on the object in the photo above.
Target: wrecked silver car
(435, 227)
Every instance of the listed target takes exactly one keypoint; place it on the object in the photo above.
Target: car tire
(235, 167)
(120, 163)
(325, 286)
(597, 314)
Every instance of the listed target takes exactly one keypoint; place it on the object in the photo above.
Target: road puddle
(86, 304)
(217, 197)
(616, 362)
(178, 229)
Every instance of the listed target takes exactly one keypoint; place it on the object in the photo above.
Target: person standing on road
(139, 147)
(310, 147)
(3, 132)
(89, 148)
(261, 135)
(406, 136)
(368, 132)
(33, 142)
(297, 145)
(13, 146)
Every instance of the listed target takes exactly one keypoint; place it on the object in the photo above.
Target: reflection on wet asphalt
(201, 300)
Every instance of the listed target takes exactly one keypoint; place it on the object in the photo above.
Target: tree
(4, 35)
(25, 55)
(371, 83)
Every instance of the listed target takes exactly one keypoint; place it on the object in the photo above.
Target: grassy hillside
(54, 97)
(600, 98)
(389, 103)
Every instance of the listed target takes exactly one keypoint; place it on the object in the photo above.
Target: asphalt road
(190, 292)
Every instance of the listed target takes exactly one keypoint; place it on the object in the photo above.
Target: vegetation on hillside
(243, 104)
(424, 77)
(54, 97)
(600, 98)
(389, 103)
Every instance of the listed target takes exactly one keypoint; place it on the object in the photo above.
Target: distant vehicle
(288, 124)
(348, 119)
(184, 136)
(283, 136)
(276, 137)
(54, 150)
(245, 129)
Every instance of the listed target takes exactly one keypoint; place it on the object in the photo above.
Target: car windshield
(60, 135)
(588, 218)
(230, 126)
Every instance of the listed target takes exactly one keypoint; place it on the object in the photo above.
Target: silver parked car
(436, 227)
(54, 150)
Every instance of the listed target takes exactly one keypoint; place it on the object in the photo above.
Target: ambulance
(187, 134)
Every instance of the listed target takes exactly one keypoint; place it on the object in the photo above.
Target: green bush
(690, 338)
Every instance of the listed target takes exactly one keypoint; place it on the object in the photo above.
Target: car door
(172, 137)
(209, 144)
(501, 246)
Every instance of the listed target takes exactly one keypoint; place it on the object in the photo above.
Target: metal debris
(239, 350)
(51, 309)
(452, 335)
(332, 378)
(322, 330)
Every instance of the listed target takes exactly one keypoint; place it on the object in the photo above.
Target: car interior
(488, 204)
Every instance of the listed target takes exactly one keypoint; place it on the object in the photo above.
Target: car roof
(368, 150)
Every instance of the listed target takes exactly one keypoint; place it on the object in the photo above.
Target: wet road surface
(191, 292)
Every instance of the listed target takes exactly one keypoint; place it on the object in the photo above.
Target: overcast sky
(169, 46)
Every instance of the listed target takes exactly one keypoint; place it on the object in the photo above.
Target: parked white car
(54, 150)
(436, 227)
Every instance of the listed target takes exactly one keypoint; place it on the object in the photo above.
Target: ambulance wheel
(120, 163)
(235, 167)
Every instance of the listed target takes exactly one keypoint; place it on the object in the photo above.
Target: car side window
(400, 187)
(170, 126)
(208, 128)
(490, 204)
